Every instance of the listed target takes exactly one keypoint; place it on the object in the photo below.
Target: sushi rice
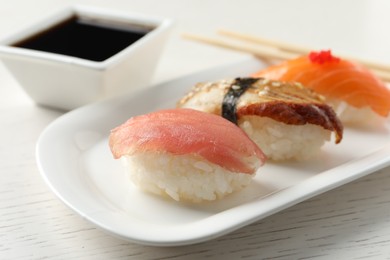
(281, 141)
(355, 116)
(183, 177)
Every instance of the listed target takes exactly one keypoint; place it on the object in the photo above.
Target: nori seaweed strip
(229, 103)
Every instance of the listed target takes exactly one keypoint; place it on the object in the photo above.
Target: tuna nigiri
(186, 154)
(352, 89)
(286, 120)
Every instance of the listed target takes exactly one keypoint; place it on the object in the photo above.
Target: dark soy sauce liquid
(83, 38)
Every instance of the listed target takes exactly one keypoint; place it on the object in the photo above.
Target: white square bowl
(67, 82)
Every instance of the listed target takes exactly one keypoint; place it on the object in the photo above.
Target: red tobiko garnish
(322, 57)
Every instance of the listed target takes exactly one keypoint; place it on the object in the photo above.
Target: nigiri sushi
(355, 93)
(286, 120)
(186, 154)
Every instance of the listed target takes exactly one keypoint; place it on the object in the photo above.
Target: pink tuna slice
(187, 131)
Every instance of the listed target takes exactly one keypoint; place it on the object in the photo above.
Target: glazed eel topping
(287, 102)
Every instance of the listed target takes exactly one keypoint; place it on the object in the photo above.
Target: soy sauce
(85, 38)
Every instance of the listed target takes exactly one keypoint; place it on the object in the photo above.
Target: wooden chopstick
(295, 48)
(261, 51)
(259, 40)
(276, 50)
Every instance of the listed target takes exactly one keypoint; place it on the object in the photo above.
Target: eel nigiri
(186, 154)
(286, 120)
(354, 91)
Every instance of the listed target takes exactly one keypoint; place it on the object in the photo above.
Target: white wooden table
(350, 222)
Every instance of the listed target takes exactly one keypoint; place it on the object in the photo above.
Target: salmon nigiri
(351, 88)
(186, 154)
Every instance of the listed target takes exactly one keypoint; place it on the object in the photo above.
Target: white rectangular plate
(75, 160)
